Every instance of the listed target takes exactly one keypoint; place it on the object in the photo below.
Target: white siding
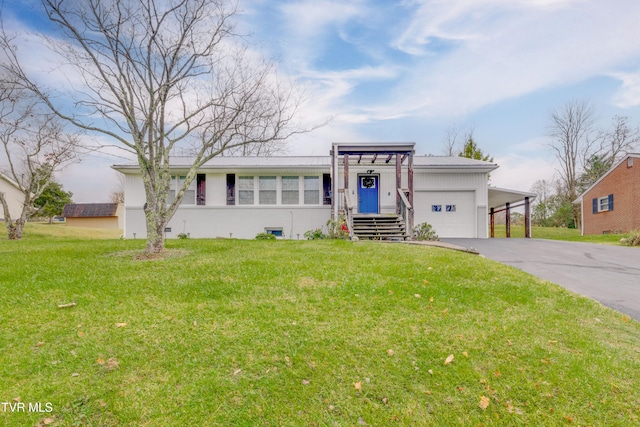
(459, 222)
(242, 222)
(14, 198)
(216, 193)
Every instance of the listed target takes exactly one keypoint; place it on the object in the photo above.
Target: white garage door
(451, 213)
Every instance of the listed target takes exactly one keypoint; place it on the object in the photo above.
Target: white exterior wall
(14, 198)
(216, 219)
(467, 191)
(242, 222)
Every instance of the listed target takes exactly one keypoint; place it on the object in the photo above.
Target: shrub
(425, 231)
(337, 229)
(265, 236)
(183, 236)
(316, 234)
(633, 239)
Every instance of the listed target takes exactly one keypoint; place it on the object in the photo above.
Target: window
(603, 204)
(201, 192)
(290, 190)
(436, 208)
(231, 189)
(189, 197)
(326, 189)
(267, 190)
(311, 190)
(276, 231)
(245, 190)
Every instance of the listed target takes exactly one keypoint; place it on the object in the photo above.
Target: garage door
(451, 213)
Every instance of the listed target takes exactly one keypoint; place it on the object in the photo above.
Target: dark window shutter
(595, 205)
(610, 202)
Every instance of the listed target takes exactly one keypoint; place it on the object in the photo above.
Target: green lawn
(555, 233)
(297, 333)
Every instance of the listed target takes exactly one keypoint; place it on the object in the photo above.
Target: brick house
(612, 203)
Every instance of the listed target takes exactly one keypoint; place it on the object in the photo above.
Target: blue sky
(409, 70)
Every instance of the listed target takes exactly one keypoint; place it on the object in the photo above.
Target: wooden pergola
(379, 154)
(503, 200)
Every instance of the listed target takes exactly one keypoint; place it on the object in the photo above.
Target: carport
(503, 200)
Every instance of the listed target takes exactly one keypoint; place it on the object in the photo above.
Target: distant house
(94, 215)
(13, 195)
(381, 189)
(612, 203)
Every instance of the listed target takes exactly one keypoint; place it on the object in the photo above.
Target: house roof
(624, 159)
(90, 210)
(315, 162)
(9, 180)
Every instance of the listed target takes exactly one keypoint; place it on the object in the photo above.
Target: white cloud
(629, 94)
(519, 172)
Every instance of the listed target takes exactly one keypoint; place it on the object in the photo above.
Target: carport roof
(499, 197)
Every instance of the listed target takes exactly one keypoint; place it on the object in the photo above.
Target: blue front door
(367, 194)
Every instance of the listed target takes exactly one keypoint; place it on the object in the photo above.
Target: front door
(368, 194)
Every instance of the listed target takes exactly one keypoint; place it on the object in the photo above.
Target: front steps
(379, 227)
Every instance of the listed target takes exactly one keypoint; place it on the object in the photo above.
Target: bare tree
(165, 76)
(455, 138)
(618, 141)
(35, 145)
(571, 131)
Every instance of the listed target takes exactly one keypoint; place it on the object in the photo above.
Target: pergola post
(508, 219)
(527, 218)
(346, 172)
(410, 183)
(334, 193)
(492, 222)
(398, 183)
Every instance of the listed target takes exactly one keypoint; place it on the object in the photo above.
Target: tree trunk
(155, 232)
(14, 229)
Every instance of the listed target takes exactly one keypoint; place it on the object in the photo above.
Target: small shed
(94, 215)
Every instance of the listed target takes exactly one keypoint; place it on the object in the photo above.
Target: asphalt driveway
(608, 274)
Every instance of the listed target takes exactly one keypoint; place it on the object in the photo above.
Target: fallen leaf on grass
(306, 382)
(121, 325)
(390, 352)
(48, 421)
(68, 305)
(237, 371)
(100, 361)
(416, 295)
(448, 360)
(484, 402)
(111, 364)
(358, 385)
(465, 354)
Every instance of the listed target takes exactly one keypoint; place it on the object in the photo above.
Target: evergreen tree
(52, 200)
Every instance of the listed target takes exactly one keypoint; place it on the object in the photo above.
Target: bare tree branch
(161, 77)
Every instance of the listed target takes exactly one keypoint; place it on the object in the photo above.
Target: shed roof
(499, 197)
(90, 210)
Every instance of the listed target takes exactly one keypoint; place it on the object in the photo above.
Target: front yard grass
(297, 333)
(558, 233)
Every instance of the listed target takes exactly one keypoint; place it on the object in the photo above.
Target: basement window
(276, 231)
